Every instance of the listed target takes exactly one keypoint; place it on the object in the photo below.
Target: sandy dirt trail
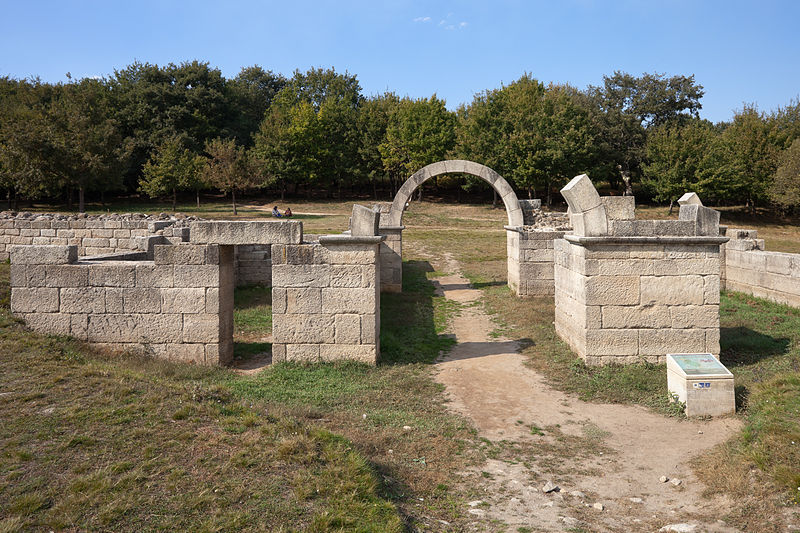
(486, 380)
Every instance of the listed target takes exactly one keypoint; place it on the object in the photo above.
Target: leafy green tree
(785, 188)
(678, 157)
(420, 132)
(372, 122)
(172, 168)
(229, 168)
(250, 95)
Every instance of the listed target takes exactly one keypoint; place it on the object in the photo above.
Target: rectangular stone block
(43, 255)
(619, 207)
(285, 276)
(196, 275)
(48, 323)
(694, 316)
(359, 301)
(672, 290)
(612, 290)
(636, 317)
(302, 329)
(353, 254)
(663, 341)
(150, 328)
(302, 353)
(83, 300)
(182, 254)
(201, 328)
(346, 276)
(711, 287)
(347, 329)
(364, 353)
(66, 276)
(370, 329)
(184, 300)
(112, 274)
(304, 300)
(278, 300)
(247, 232)
(34, 300)
(600, 342)
(364, 221)
(150, 275)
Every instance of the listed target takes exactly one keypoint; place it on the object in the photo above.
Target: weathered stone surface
(196, 276)
(305, 300)
(581, 194)
(90, 300)
(150, 275)
(43, 255)
(365, 353)
(364, 221)
(48, 323)
(347, 276)
(619, 207)
(203, 328)
(302, 353)
(347, 329)
(112, 274)
(34, 300)
(247, 232)
(66, 276)
(695, 316)
(285, 276)
(136, 300)
(664, 341)
(353, 254)
(360, 301)
(302, 329)
(689, 198)
(612, 290)
(182, 254)
(706, 220)
(672, 290)
(114, 328)
(637, 317)
(187, 300)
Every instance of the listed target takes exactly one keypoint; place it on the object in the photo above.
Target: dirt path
(599, 454)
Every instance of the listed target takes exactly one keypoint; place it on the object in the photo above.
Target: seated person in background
(288, 212)
(276, 212)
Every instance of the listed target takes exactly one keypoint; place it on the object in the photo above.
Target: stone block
(600, 342)
(636, 317)
(694, 316)
(186, 300)
(347, 329)
(43, 255)
(48, 323)
(304, 300)
(612, 290)
(679, 267)
(364, 353)
(689, 198)
(663, 341)
(619, 207)
(711, 287)
(79, 326)
(126, 328)
(34, 300)
(285, 276)
(706, 220)
(360, 301)
(83, 300)
(665, 228)
(278, 300)
(581, 194)
(309, 329)
(364, 221)
(182, 254)
(247, 232)
(352, 253)
(672, 290)
(111, 274)
(780, 263)
(302, 353)
(201, 328)
(143, 301)
(66, 276)
(197, 276)
(150, 275)
(370, 276)
(370, 329)
(220, 353)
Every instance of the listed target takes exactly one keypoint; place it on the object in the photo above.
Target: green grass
(252, 315)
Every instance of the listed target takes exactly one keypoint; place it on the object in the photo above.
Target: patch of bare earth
(606, 459)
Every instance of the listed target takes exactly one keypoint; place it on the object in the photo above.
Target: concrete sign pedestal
(701, 382)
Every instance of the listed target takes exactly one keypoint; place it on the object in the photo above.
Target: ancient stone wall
(752, 270)
(629, 290)
(177, 306)
(326, 300)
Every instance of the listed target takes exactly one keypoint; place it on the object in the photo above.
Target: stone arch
(488, 175)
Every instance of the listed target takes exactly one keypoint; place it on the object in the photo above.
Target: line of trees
(162, 131)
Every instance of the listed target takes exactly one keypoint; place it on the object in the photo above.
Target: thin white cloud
(422, 19)
(462, 24)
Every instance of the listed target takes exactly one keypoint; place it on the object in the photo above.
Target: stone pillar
(391, 252)
(530, 260)
(326, 300)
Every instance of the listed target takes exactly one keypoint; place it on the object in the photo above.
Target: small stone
(475, 503)
(514, 500)
(569, 521)
(406, 428)
(700, 432)
(364, 416)
(477, 512)
(391, 452)
(550, 487)
(675, 482)
(599, 506)
(577, 494)
(663, 479)
(636, 500)
(548, 504)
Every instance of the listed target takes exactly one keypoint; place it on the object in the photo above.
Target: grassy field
(90, 441)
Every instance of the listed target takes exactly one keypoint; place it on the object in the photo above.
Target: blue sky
(741, 52)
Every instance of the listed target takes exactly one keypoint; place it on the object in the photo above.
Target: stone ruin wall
(750, 269)
(178, 306)
(629, 290)
(96, 235)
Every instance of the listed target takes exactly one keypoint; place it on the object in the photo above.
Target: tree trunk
(530, 194)
(283, 190)
(103, 199)
(671, 203)
(419, 197)
(198, 198)
(174, 200)
(81, 202)
(8, 197)
(69, 198)
(494, 198)
(233, 197)
(374, 190)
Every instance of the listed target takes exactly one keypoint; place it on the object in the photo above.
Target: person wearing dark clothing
(276, 212)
